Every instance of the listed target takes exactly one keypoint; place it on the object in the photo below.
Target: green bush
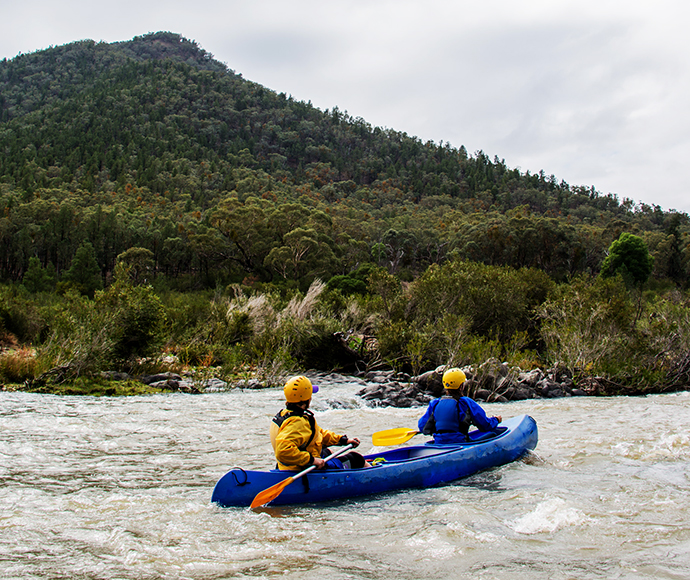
(84, 274)
(185, 314)
(452, 313)
(37, 278)
(497, 301)
(588, 325)
(347, 285)
(135, 319)
(79, 337)
(23, 315)
(629, 257)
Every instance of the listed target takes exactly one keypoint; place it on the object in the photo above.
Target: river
(119, 488)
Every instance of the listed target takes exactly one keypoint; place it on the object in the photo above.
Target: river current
(120, 488)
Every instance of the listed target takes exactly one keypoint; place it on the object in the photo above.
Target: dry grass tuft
(17, 365)
(300, 309)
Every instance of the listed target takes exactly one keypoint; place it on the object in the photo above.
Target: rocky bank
(489, 382)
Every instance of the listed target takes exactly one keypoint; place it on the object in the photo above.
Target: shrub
(496, 301)
(84, 273)
(185, 314)
(452, 313)
(135, 265)
(665, 331)
(588, 324)
(22, 315)
(37, 278)
(629, 257)
(79, 338)
(134, 319)
(347, 285)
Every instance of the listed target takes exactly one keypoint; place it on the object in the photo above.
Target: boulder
(482, 395)
(531, 378)
(115, 376)
(394, 394)
(150, 379)
(175, 385)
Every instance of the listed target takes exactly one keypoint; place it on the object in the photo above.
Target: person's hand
(320, 463)
(353, 441)
(499, 418)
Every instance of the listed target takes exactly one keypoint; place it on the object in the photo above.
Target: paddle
(393, 436)
(269, 494)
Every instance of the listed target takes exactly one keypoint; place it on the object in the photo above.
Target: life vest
(280, 418)
(449, 415)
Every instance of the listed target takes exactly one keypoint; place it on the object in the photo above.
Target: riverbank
(491, 381)
(641, 346)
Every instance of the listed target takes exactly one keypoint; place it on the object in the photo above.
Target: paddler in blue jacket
(449, 417)
(298, 441)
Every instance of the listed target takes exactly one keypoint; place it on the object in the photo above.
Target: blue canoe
(416, 466)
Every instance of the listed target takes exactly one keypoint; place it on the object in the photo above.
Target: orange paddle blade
(393, 436)
(269, 494)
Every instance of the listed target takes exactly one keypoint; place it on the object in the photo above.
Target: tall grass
(458, 314)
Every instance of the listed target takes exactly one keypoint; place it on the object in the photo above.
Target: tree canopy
(628, 256)
(153, 144)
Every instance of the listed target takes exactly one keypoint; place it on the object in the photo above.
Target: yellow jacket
(290, 439)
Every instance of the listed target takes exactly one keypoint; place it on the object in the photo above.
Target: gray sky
(596, 92)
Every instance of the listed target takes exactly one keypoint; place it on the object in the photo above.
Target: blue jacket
(450, 414)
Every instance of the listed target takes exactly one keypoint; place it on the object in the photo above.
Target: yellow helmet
(298, 389)
(453, 378)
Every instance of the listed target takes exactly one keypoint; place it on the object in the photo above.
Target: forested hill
(152, 143)
(125, 112)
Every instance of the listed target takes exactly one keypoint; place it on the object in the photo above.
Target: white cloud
(592, 91)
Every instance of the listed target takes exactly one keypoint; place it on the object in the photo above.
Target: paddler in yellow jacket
(298, 441)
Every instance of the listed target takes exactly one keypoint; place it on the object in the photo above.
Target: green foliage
(87, 336)
(21, 315)
(136, 266)
(155, 145)
(79, 338)
(347, 284)
(496, 301)
(84, 274)
(629, 257)
(385, 287)
(135, 318)
(37, 278)
(353, 283)
(588, 326)
(457, 310)
(149, 162)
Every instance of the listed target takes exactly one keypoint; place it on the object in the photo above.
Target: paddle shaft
(331, 456)
(269, 494)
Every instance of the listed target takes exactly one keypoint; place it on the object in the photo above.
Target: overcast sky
(596, 92)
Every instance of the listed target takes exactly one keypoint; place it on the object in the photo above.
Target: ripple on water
(120, 488)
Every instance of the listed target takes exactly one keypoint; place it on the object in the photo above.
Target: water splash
(549, 516)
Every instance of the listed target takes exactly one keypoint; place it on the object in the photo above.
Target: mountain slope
(121, 111)
(152, 142)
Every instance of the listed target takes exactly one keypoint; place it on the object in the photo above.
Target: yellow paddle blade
(393, 436)
(269, 494)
